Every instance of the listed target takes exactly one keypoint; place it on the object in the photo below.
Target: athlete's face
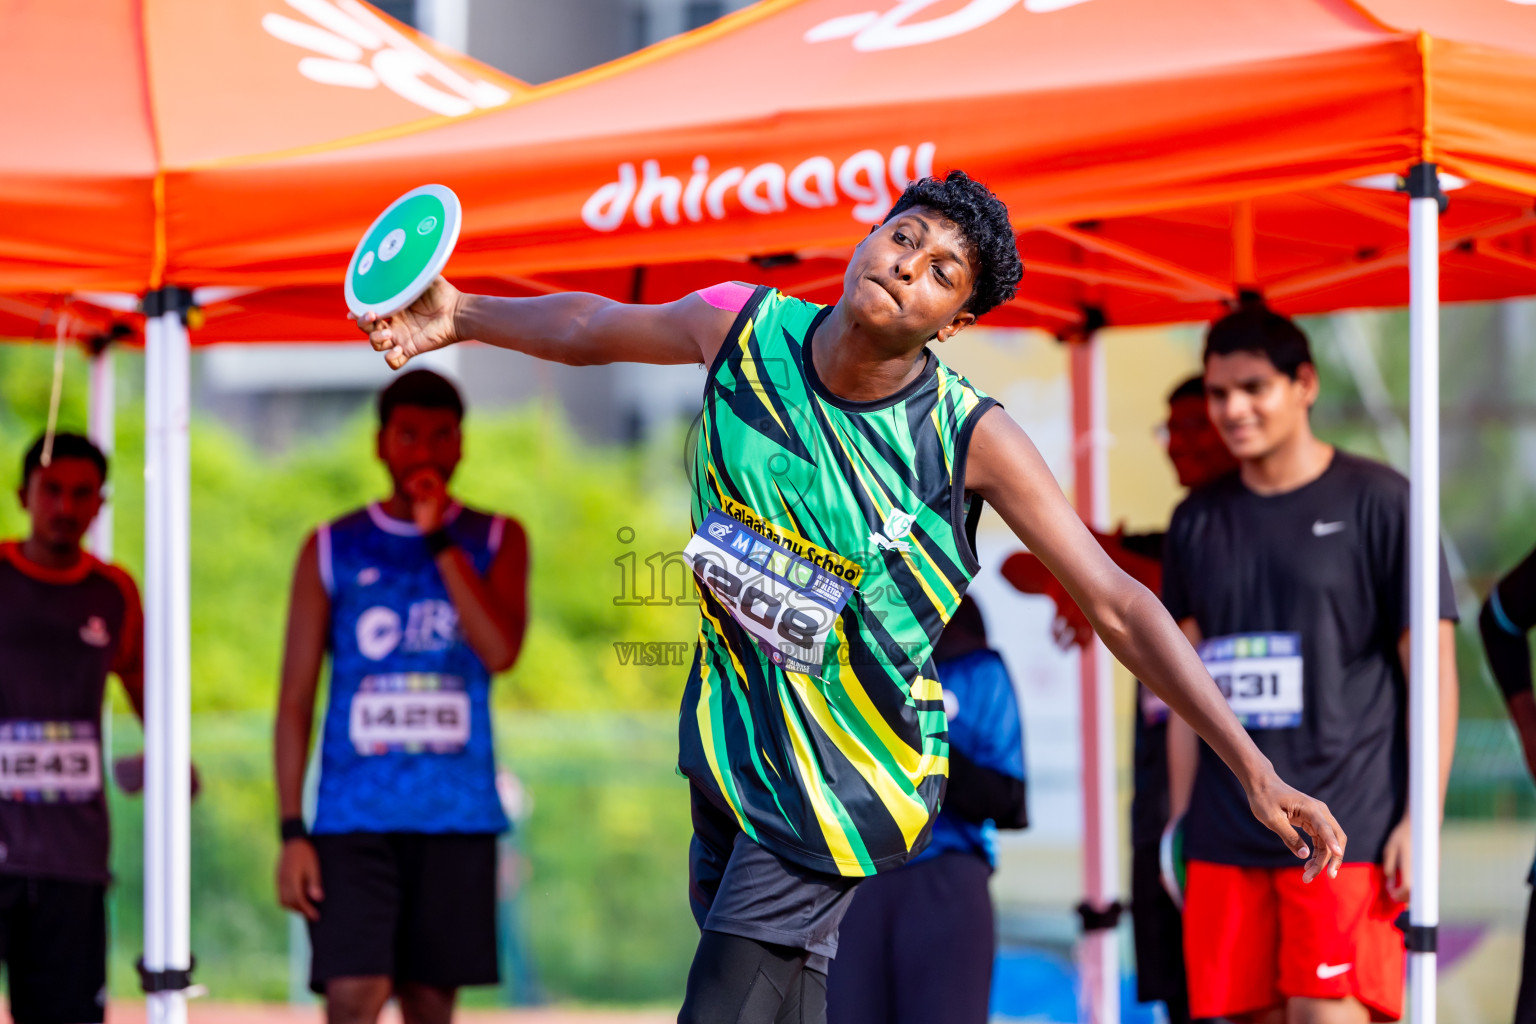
(416, 438)
(1254, 406)
(1194, 447)
(910, 279)
(62, 498)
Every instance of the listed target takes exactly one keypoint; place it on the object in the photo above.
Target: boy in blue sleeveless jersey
(418, 600)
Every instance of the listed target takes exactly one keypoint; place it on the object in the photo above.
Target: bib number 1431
(1260, 675)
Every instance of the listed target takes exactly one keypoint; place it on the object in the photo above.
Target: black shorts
(740, 888)
(917, 946)
(408, 906)
(53, 941)
(1158, 928)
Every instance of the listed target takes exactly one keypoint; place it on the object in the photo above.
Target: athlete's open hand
(424, 326)
(298, 878)
(1284, 810)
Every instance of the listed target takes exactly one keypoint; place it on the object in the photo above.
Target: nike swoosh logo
(1322, 529)
(1326, 971)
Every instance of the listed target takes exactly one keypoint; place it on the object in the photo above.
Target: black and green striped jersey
(833, 542)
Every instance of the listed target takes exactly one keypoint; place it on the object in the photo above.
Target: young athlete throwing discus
(839, 473)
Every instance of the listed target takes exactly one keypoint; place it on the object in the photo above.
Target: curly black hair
(983, 220)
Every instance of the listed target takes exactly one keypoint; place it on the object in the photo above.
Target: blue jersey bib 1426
(406, 745)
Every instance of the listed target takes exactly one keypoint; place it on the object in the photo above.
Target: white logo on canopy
(359, 50)
(869, 179)
(871, 30)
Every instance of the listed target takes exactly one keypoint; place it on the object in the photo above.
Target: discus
(1170, 862)
(401, 253)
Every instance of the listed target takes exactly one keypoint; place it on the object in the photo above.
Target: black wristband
(292, 828)
(438, 541)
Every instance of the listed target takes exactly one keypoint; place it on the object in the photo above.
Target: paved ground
(202, 1012)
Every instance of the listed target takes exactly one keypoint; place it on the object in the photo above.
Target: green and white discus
(403, 251)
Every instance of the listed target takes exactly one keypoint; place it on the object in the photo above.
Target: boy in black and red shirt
(67, 620)
(1291, 577)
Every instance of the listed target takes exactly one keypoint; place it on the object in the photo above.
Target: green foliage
(602, 879)
(1487, 502)
(239, 934)
(603, 892)
(604, 898)
(252, 512)
(604, 904)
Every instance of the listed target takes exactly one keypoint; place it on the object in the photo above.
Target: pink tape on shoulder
(727, 295)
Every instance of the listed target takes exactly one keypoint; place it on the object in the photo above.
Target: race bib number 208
(1260, 674)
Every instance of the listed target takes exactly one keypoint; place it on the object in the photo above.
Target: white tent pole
(102, 428)
(1424, 586)
(156, 668)
(1099, 951)
(167, 699)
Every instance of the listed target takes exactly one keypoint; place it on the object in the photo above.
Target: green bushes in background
(252, 512)
(604, 891)
(601, 884)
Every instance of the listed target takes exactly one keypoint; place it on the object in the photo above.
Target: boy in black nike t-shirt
(1291, 577)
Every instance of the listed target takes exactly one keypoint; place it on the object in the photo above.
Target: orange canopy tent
(122, 96)
(1155, 159)
(110, 99)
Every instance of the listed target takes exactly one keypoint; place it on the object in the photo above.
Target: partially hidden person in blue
(918, 943)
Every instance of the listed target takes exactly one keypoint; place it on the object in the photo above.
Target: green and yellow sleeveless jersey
(833, 540)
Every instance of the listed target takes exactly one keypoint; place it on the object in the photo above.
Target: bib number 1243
(49, 761)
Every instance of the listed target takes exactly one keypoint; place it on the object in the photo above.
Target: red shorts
(1255, 937)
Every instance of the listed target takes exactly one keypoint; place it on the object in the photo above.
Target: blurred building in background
(277, 395)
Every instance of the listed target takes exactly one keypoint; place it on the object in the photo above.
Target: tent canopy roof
(1155, 159)
(120, 94)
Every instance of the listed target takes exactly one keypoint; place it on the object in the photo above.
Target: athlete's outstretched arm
(567, 327)
(1003, 467)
